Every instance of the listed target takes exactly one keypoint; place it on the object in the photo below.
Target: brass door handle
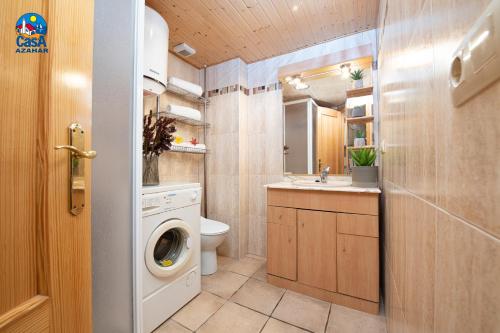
(90, 154)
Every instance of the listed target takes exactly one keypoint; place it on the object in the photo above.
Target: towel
(184, 111)
(185, 85)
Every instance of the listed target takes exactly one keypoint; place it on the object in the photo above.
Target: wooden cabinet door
(45, 258)
(282, 242)
(317, 259)
(358, 266)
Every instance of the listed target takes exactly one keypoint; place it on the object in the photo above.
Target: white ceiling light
(295, 8)
(301, 86)
(294, 81)
(288, 78)
(345, 70)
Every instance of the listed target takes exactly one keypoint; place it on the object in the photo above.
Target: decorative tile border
(245, 90)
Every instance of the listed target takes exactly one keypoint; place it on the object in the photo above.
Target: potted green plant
(357, 76)
(157, 138)
(364, 172)
(360, 140)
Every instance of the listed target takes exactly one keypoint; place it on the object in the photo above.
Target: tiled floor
(238, 299)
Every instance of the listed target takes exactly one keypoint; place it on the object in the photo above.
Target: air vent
(184, 50)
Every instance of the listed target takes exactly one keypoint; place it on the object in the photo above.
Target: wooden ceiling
(253, 30)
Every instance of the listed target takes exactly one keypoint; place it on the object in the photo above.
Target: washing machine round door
(169, 248)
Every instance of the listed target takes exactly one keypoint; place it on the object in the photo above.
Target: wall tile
(468, 267)
(440, 269)
(420, 265)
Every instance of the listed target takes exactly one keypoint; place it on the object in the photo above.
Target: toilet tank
(155, 52)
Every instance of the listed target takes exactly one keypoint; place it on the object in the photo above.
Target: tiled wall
(246, 140)
(227, 171)
(265, 126)
(440, 175)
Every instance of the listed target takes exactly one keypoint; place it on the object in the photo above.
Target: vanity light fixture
(345, 70)
(301, 86)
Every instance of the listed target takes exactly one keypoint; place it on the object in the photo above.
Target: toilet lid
(210, 227)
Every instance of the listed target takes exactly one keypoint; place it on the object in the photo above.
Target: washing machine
(171, 242)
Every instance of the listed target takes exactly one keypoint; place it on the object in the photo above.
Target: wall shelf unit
(186, 149)
(360, 120)
(186, 94)
(362, 97)
(359, 92)
(362, 147)
(184, 120)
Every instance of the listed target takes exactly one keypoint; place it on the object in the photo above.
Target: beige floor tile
(246, 266)
(222, 283)
(234, 318)
(303, 311)
(261, 274)
(276, 326)
(345, 320)
(259, 296)
(171, 326)
(223, 262)
(196, 312)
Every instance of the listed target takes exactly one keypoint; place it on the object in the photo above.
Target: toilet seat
(211, 228)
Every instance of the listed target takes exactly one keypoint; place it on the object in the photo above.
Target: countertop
(291, 186)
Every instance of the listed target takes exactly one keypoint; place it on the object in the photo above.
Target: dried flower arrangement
(157, 136)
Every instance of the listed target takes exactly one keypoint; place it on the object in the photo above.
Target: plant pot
(365, 176)
(358, 111)
(359, 142)
(150, 176)
(358, 84)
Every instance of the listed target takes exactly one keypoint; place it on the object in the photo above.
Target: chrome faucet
(324, 174)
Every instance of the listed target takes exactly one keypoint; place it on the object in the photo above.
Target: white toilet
(212, 235)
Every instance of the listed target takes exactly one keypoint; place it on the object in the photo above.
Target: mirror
(326, 114)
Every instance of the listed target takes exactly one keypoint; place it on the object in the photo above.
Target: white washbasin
(331, 183)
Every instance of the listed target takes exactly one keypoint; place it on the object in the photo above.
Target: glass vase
(150, 176)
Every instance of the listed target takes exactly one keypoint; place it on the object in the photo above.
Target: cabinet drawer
(354, 224)
(281, 215)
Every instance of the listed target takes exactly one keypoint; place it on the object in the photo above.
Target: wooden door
(45, 259)
(358, 266)
(329, 141)
(282, 242)
(316, 249)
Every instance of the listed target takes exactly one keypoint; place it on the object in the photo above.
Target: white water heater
(155, 52)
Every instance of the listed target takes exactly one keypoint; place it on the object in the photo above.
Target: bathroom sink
(331, 183)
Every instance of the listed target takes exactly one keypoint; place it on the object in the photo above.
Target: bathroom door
(45, 85)
(329, 142)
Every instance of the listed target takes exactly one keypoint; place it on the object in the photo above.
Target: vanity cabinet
(325, 244)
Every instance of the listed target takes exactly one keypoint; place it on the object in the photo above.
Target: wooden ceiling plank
(292, 25)
(235, 21)
(246, 45)
(254, 30)
(181, 32)
(304, 19)
(264, 27)
(268, 9)
(282, 36)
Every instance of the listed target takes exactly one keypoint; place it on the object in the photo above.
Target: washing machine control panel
(160, 202)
